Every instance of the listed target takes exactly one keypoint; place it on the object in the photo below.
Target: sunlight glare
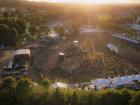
(86, 1)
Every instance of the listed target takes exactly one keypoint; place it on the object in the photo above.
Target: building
(19, 64)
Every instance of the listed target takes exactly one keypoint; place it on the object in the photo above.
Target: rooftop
(22, 51)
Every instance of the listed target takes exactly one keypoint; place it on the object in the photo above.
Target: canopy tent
(137, 77)
(58, 85)
(75, 43)
(112, 47)
(127, 79)
(117, 82)
(99, 83)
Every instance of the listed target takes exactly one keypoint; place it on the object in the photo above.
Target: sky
(93, 1)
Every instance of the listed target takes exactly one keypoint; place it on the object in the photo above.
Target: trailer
(18, 66)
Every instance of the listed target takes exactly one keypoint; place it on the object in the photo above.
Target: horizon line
(77, 2)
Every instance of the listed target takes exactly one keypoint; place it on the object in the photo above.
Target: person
(95, 87)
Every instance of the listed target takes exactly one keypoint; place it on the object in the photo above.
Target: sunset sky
(93, 1)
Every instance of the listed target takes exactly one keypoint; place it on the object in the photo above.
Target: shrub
(24, 93)
(136, 99)
(46, 83)
(7, 91)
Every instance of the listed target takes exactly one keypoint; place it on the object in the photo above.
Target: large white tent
(114, 82)
(126, 79)
(137, 77)
(117, 81)
(99, 83)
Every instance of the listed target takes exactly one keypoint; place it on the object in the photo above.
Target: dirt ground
(90, 60)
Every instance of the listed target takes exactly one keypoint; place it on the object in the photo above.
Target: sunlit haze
(91, 1)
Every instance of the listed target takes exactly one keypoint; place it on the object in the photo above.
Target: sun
(87, 1)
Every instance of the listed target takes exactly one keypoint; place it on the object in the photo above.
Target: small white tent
(58, 85)
(113, 48)
(75, 43)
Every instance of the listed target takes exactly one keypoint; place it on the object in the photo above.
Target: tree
(33, 29)
(74, 99)
(58, 97)
(21, 26)
(73, 29)
(46, 83)
(126, 97)
(44, 29)
(7, 91)
(23, 91)
(61, 31)
(24, 85)
(8, 36)
(6, 14)
(136, 99)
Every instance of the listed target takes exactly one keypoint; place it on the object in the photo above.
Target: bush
(7, 91)
(22, 92)
(46, 83)
(136, 99)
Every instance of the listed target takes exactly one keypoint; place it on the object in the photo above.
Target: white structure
(99, 83)
(135, 27)
(58, 85)
(117, 81)
(35, 84)
(126, 79)
(54, 36)
(137, 77)
(90, 30)
(75, 43)
(51, 37)
(124, 37)
(61, 53)
(113, 82)
(112, 48)
(22, 51)
(2, 9)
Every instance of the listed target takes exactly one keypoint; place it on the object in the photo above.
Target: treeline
(13, 30)
(28, 20)
(25, 92)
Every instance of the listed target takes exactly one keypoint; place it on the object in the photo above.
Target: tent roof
(59, 85)
(22, 51)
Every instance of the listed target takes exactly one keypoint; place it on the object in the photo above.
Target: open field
(90, 60)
